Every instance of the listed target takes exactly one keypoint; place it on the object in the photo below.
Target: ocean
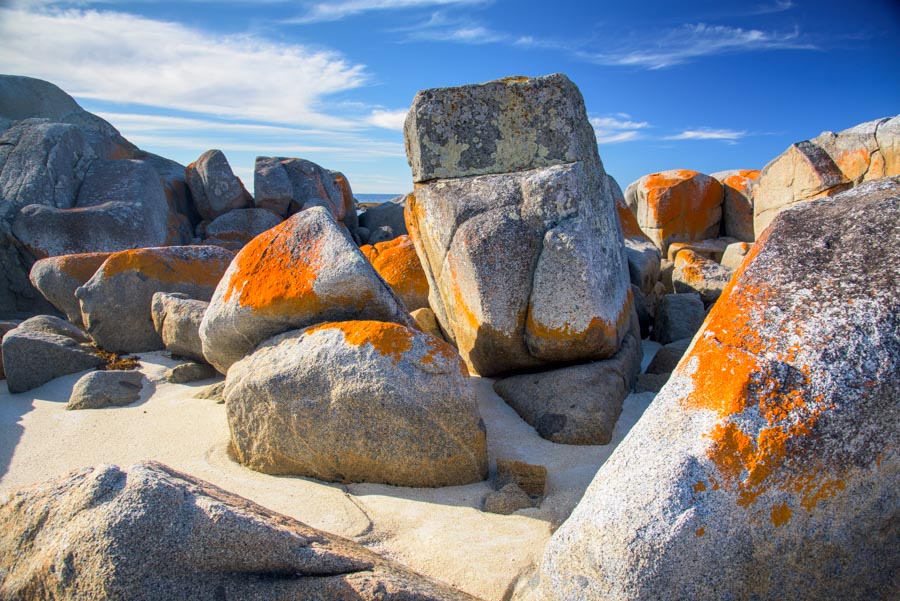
(374, 197)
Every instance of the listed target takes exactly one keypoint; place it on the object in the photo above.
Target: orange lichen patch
(389, 339)
(701, 531)
(690, 266)
(346, 194)
(781, 514)
(412, 212)
(512, 79)
(854, 164)
(80, 267)
(630, 227)
(440, 349)
(742, 180)
(397, 262)
(166, 265)
(680, 203)
(699, 487)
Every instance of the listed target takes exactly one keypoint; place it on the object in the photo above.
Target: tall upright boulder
(214, 187)
(514, 224)
(737, 205)
(768, 467)
(397, 262)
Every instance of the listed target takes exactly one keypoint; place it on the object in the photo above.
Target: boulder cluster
(766, 467)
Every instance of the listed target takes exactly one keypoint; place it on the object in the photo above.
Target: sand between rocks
(439, 532)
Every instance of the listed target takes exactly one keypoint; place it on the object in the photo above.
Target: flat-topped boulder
(357, 401)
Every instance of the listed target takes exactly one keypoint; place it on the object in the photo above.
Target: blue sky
(705, 85)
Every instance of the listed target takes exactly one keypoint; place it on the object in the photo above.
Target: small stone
(507, 500)
(190, 372)
(100, 389)
(213, 392)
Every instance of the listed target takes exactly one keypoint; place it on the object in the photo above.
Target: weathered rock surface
(190, 372)
(668, 356)
(387, 216)
(43, 348)
(509, 499)
(579, 404)
(530, 478)
(642, 254)
(768, 467)
(696, 273)
(737, 207)
(676, 206)
(357, 401)
(57, 278)
(713, 249)
(214, 187)
(238, 227)
(398, 264)
(287, 185)
(734, 254)
(99, 389)
(5, 326)
(678, 316)
(149, 532)
(176, 318)
(116, 301)
(304, 271)
(427, 322)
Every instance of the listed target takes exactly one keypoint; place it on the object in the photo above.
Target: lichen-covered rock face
(676, 206)
(288, 185)
(149, 532)
(214, 187)
(357, 401)
(177, 319)
(695, 273)
(304, 271)
(397, 262)
(43, 348)
(737, 206)
(116, 301)
(57, 278)
(767, 467)
(826, 165)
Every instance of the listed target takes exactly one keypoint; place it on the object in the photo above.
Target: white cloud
(689, 42)
(124, 58)
(705, 133)
(335, 11)
(388, 119)
(617, 128)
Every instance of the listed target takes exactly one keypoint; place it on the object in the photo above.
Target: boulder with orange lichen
(397, 262)
(695, 273)
(57, 278)
(304, 271)
(737, 206)
(768, 467)
(214, 187)
(642, 254)
(116, 301)
(357, 401)
(676, 206)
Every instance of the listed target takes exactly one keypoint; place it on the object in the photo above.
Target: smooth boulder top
(501, 126)
(99, 389)
(768, 465)
(357, 401)
(149, 532)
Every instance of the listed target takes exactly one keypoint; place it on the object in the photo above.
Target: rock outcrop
(304, 271)
(176, 318)
(149, 532)
(57, 278)
(288, 185)
(767, 467)
(116, 301)
(357, 401)
(397, 262)
(215, 188)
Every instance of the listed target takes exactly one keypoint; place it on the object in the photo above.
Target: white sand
(438, 532)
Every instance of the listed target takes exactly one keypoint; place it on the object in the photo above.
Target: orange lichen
(398, 264)
(742, 180)
(681, 204)
(690, 266)
(630, 227)
(781, 514)
(699, 487)
(167, 265)
(600, 337)
(701, 531)
(853, 163)
(80, 267)
(389, 339)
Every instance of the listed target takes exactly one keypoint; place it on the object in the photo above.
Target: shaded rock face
(768, 466)
(304, 271)
(357, 401)
(57, 278)
(642, 254)
(214, 187)
(696, 273)
(100, 389)
(515, 225)
(288, 185)
(737, 206)
(149, 532)
(238, 227)
(5, 326)
(386, 217)
(43, 348)
(176, 318)
(116, 301)
(678, 316)
(397, 262)
(826, 165)
(676, 206)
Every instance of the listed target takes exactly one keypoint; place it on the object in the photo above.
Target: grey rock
(530, 478)
(363, 234)
(667, 357)
(190, 372)
(381, 234)
(357, 401)
(5, 326)
(176, 318)
(116, 301)
(99, 389)
(734, 254)
(387, 214)
(288, 185)
(213, 392)
(172, 176)
(678, 316)
(149, 532)
(44, 348)
(304, 271)
(695, 273)
(768, 467)
(509, 499)
(578, 404)
(57, 278)
(650, 382)
(214, 187)
(642, 254)
(242, 225)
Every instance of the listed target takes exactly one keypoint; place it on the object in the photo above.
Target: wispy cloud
(705, 133)
(440, 27)
(118, 57)
(388, 119)
(617, 128)
(335, 11)
(689, 42)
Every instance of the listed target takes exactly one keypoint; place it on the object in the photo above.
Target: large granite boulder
(5, 326)
(43, 348)
(825, 166)
(116, 301)
(768, 467)
(357, 401)
(737, 206)
(676, 206)
(695, 273)
(288, 185)
(515, 225)
(57, 278)
(108, 388)
(149, 532)
(177, 318)
(304, 271)
(397, 262)
(215, 188)
(678, 316)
